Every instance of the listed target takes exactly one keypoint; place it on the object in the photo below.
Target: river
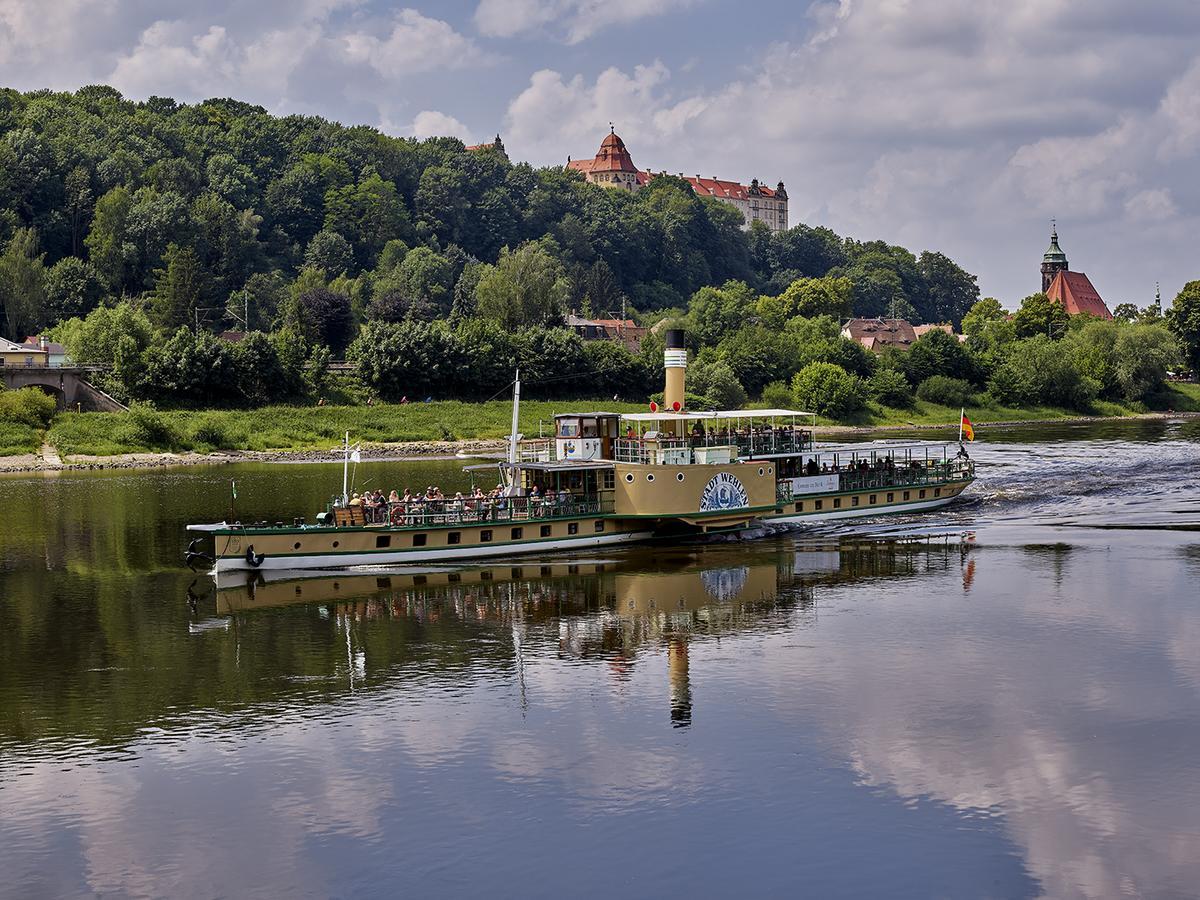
(1001, 699)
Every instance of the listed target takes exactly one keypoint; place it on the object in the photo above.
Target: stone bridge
(68, 385)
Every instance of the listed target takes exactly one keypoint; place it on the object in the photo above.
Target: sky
(963, 126)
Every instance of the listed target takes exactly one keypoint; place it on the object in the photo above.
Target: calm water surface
(997, 700)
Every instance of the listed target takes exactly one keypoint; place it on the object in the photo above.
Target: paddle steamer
(607, 478)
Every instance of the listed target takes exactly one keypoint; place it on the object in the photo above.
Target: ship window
(629, 478)
(485, 535)
(572, 528)
(296, 546)
(419, 540)
(906, 495)
(921, 495)
(599, 525)
(419, 580)
(546, 531)
(545, 571)
(517, 533)
(872, 499)
(485, 575)
(383, 540)
(761, 471)
(454, 537)
(770, 471)
(649, 476)
(937, 492)
(819, 504)
(837, 502)
(891, 497)
(454, 578)
(854, 500)
(609, 479)
(517, 572)
(335, 544)
(800, 506)
(679, 476)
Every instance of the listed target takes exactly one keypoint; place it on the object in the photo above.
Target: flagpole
(346, 471)
(961, 413)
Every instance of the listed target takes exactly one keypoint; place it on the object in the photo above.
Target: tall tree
(525, 287)
(178, 288)
(22, 279)
(1183, 318)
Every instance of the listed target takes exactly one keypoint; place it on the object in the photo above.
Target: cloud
(572, 21)
(416, 43)
(431, 123)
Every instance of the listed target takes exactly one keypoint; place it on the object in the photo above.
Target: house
(623, 331)
(56, 354)
(613, 167)
(15, 355)
(922, 330)
(879, 334)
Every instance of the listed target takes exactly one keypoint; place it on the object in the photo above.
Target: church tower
(1053, 260)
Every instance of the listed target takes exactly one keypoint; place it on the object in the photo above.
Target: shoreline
(48, 460)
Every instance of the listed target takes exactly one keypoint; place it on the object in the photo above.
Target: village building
(622, 331)
(613, 167)
(34, 353)
(879, 334)
(1072, 290)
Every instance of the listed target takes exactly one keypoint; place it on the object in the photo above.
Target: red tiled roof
(1075, 292)
(32, 342)
(611, 157)
(875, 334)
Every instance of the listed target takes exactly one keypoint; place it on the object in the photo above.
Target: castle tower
(1053, 260)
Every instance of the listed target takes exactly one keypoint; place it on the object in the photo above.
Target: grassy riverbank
(302, 428)
(295, 428)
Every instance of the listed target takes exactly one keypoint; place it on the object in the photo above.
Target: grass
(17, 438)
(303, 428)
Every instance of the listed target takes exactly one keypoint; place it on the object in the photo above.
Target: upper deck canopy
(714, 414)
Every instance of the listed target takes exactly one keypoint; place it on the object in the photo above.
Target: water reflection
(1001, 702)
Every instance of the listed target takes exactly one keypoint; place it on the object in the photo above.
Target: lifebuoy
(255, 559)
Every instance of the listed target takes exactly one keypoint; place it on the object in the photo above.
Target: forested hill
(188, 209)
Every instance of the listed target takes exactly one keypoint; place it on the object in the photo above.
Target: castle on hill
(612, 167)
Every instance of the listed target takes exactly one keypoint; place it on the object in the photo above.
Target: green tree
(1036, 372)
(189, 369)
(758, 355)
(178, 288)
(981, 315)
(72, 289)
(1143, 354)
(1040, 315)
(939, 353)
(714, 382)
(828, 390)
(412, 360)
(1183, 318)
(327, 319)
(949, 290)
(368, 214)
(809, 298)
(891, 388)
(715, 312)
(108, 244)
(331, 252)
(525, 287)
(946, 391)
(260, 374)
(22, 283)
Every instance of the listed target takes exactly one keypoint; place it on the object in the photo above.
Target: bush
(828, 390)
(890, 388)
(214, 431)
(715, 382)
(28, 406)
(946, 391)
(148, 427)
(777, 395)
(1037, 372)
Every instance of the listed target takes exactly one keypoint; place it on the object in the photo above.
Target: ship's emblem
(724, 491)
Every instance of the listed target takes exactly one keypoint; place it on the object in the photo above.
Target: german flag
(965, 429)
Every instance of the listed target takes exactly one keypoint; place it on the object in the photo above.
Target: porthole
(336, 544)
(770, 471)
(649, 476)
(629, 478)
(761, 471)
(679, 476)
(296, 546)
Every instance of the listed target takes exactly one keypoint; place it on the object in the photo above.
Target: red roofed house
(1074, 290)
(496, 145)
(623, 331)
(879, 334)
(613, 166)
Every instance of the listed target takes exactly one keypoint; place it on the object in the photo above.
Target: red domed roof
(611, 157)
